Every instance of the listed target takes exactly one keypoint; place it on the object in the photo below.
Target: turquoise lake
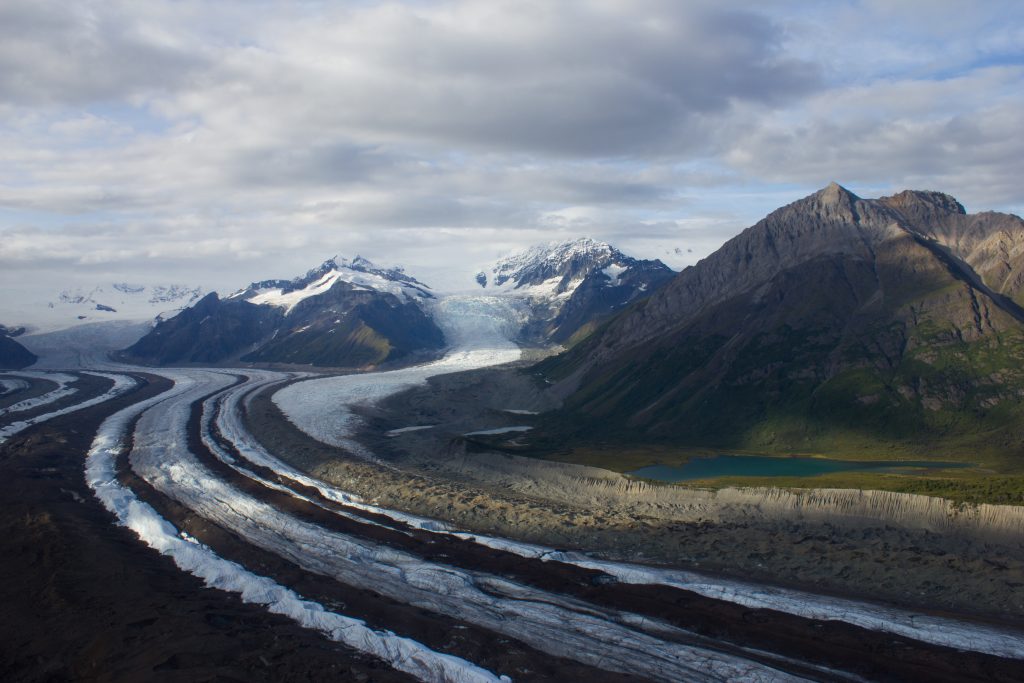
(762, 466)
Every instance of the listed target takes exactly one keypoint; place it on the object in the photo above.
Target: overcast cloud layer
(215, 143)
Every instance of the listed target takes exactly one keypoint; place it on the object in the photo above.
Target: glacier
(404, 654)
(479, 329)
(122, 383)
(315, 413)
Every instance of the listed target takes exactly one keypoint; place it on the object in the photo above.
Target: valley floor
(182, 464)
(973, 566)
(821, 585)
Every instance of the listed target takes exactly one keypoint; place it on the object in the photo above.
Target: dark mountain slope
(835, 324)
(357, 326)
(211, 331)
(573, 286)
(341, 314)
(13, 356)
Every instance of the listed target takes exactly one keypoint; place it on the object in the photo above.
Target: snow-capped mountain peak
(569, 284)
(555, 266)
(358, 272)
(343, 313)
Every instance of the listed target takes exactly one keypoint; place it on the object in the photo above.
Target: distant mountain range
(835, 323)
(117, 301)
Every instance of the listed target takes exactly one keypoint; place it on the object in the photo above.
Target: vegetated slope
(573, 286)
(835, 324)
(13, 356)
(341, 314)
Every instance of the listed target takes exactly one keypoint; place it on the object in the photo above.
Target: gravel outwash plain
(907, 550)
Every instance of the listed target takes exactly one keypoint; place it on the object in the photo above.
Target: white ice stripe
(403, 654)
(231, 428)
(922, 627)
(555, 624)
(61, 378)
(499, 430)
(62, 390)
(215, 406)
(39, 401)
(12, 385)
(122, 383)
(403, 430)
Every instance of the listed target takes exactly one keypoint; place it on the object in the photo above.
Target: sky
(217, 143)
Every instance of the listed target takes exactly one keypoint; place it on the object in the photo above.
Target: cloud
(57, 53)
(577, 79)
(232, 141)
(958, 134)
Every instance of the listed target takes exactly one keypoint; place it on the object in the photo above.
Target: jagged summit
(541, 262)
(568, 261)
(833, 203)
(359, 273)
(834, 193)
(347, 270)
(835, 319)
(343, 313)
(570, 285)
(936, 201)
(364, 265)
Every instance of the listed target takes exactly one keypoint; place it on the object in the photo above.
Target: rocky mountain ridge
(356, 271)
(570, 287)
(340, 314)
(836, 321)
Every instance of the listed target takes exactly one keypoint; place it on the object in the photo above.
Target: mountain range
(351, 313)
(99, 303)
(835, 323)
